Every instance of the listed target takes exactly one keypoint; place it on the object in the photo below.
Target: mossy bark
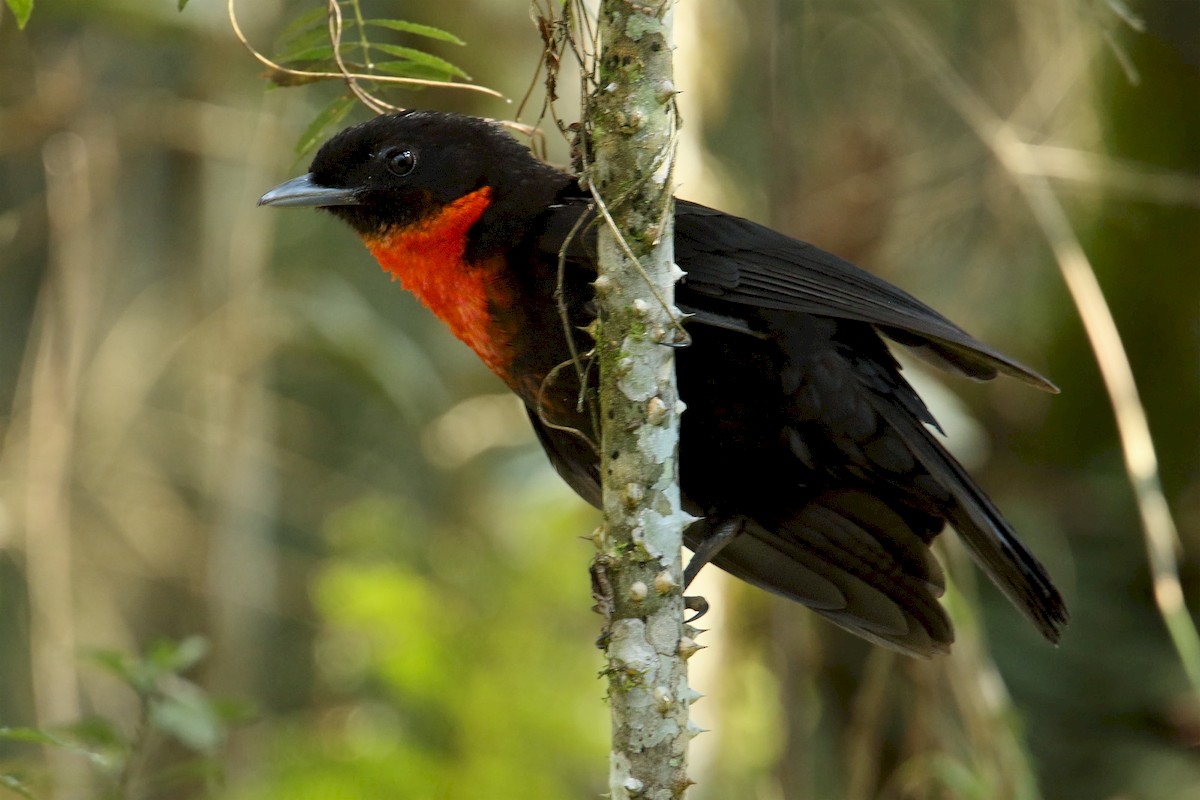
(638, 571)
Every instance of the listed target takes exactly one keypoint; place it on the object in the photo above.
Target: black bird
(804, 452)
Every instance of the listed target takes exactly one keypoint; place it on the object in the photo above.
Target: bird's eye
(400, 161)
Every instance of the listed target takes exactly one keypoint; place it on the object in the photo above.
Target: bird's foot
(723, 532)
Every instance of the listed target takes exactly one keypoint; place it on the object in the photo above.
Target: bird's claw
(723, 532)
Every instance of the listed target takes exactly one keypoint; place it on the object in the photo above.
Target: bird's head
(399, 170)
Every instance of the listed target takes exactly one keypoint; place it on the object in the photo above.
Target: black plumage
(804, 451)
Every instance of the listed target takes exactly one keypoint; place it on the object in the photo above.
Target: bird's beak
(304, 192)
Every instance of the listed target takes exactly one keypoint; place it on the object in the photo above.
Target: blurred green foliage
(21, 10)
(436, 683)
(226, 421)
(118, 751)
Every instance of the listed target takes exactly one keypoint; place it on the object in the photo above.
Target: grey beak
(303, 192)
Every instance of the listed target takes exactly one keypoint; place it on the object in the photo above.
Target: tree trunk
(638, 572)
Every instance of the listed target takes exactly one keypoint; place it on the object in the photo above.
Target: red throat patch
(427, 258)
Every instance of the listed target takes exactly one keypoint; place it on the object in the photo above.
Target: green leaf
(407, 69)
(38, 736)
(98, 733)
(125, 667)
(302, 23)
(13, 783)
(232, 711)
(319, 53)
(173, 657)
(21, 9)
(425, 59)
(184, 712)
(415, 28)
(330, 115)
(182, 4)
(164, 658)
(32, 735)
(308, 40)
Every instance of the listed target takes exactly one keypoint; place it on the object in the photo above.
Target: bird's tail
(987, 536)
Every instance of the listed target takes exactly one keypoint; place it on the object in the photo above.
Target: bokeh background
(225, 421)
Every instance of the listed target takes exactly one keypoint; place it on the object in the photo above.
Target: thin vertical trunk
(638, 572)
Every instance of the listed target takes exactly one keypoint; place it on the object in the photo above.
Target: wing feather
(741, 262)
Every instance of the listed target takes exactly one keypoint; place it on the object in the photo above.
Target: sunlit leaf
(419, 57)
(21, 9)
(331, 115)
(417, 29)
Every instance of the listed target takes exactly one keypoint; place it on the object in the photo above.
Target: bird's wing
(744, 263)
